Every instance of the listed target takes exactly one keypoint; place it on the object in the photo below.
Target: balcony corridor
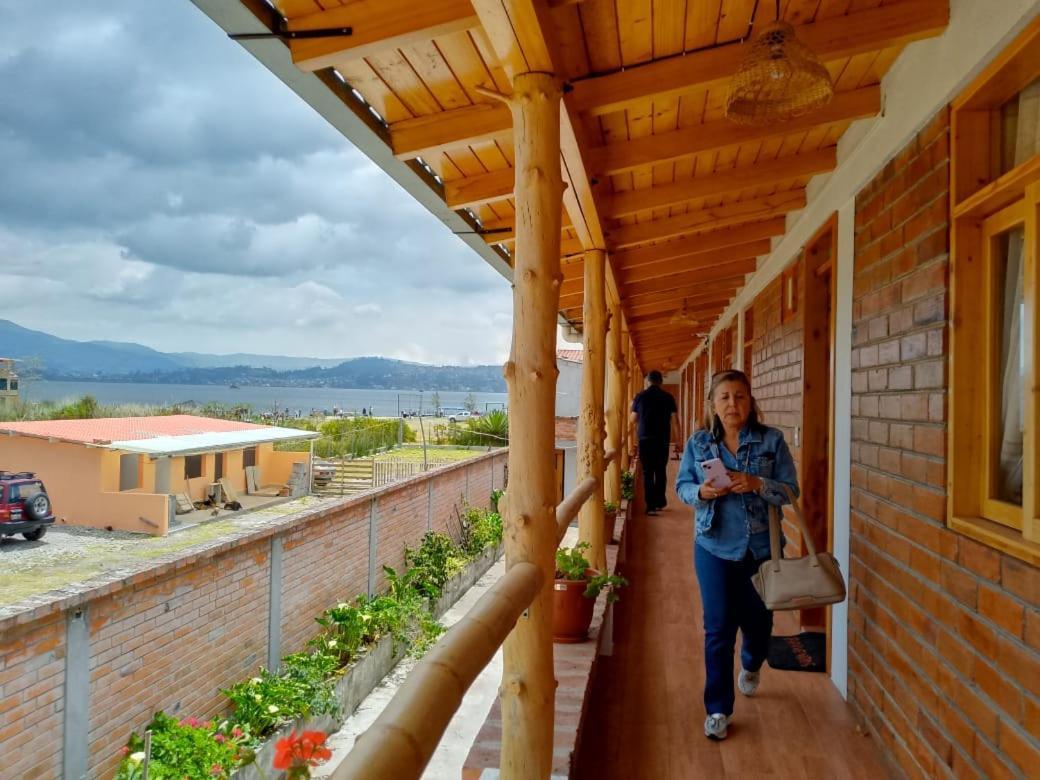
(645, 716)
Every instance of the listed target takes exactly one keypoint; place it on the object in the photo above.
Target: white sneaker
(715, 726)
(747, 682)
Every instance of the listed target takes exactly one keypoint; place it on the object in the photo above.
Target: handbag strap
(774, 530)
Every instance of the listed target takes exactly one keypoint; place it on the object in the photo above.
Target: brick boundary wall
(944, 633)
(81, 668)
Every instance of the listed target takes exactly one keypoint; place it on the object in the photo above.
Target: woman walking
(732, 535)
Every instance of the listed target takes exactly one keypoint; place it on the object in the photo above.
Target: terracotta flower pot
(572, 611)
(609, 521)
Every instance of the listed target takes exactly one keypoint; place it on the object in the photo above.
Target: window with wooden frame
(749, 340)
(789, 294)
(994, 430)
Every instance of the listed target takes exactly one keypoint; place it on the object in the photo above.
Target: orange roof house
(121, 472)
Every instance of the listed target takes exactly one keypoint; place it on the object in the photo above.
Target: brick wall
(944, 633)
(171, 633)
(776, 370)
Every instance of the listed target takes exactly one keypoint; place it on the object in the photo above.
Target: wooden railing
(404, 736)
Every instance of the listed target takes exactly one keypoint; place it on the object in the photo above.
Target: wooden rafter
(696, 300)
(424, 136)
(627, 259)
(717, 185)
(708, 219)
(703, 277)
(376, 25)
(832, 39)
(622, 156)
(694, 263)
(485, 188)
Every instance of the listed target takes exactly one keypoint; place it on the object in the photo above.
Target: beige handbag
(797, 583)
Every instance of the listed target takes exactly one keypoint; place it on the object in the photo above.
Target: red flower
(124, 751)
(220, 738)
(216, 770)
(236, 732)
(300, 753)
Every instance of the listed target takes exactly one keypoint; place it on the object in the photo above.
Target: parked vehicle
(25, 507)
(457, 415)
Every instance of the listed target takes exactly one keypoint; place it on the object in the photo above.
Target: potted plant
(628, 485)
(610, 510)
(575, 591)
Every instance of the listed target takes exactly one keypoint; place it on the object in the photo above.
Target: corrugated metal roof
(207, 442)
(165, 435)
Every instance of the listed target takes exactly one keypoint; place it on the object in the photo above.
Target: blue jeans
(730, 602)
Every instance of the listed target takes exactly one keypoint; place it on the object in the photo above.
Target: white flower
(272, 709)
(255, 680)
(137, 758)
(332, 643)
(342, 605)
(257, 697)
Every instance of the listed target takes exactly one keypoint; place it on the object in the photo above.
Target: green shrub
(183, 748)
(434, 562)
(481, 528)
(267, 700)
(628, 485)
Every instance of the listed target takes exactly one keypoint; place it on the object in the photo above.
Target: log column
(627, 396)
(615, 402)
(528, 684)
(590, 423)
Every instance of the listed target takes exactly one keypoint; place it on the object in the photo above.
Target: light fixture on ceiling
(684, 317)
(780, 78)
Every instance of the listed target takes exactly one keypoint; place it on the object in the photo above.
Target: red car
(25, 507)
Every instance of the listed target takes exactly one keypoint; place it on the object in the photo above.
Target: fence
(346, 476)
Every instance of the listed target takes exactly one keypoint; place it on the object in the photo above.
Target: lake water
(382, 403)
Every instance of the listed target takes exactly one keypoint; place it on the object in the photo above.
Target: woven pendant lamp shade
(780, 79)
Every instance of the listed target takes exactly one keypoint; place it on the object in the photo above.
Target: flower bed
(315, 690)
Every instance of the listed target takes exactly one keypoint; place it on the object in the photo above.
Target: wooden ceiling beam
(623, 156)
(476, 190)
(422, 136)
(691, 263)
(896, 24)
(503, 231)
(675, 268)
(628, 259)
(717, 185)
(699, 316)
(703, 277)
(718, 295)
(707, 219)
(376, 25)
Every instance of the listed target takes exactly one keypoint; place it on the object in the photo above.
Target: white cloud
(175, 194)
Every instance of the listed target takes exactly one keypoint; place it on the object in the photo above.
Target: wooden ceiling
(683, 200)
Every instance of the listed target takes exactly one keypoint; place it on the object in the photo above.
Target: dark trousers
(730, 602)
(653, 453)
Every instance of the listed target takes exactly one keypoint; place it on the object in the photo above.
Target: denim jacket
(742, 520)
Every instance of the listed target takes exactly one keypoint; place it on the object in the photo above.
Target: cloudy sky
(159, 185)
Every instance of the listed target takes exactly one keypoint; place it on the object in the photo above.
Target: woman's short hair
(712, 423)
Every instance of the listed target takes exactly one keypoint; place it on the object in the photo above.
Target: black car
(25, 507)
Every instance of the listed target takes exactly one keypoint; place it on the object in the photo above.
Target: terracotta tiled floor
(646, 714)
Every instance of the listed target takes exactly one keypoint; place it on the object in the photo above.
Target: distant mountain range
(118, 361)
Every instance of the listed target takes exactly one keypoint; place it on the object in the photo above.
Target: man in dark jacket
(652, 413)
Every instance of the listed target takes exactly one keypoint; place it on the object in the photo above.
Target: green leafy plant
(571, 564)
(269, 699)
(628, 485)
(183, 748)
(481, 529)
(496, 496)
(610, 507)
(434, 562)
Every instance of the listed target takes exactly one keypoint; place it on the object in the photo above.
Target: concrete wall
(83, 484)
(79, 672)
(568, 388)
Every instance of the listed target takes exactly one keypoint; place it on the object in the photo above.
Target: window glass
(1011, 367)
(249, 457)
(14, 384)
(3, 383)
(1020, 127)
(25, 490)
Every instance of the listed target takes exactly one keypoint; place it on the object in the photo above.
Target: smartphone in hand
(715, 474)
